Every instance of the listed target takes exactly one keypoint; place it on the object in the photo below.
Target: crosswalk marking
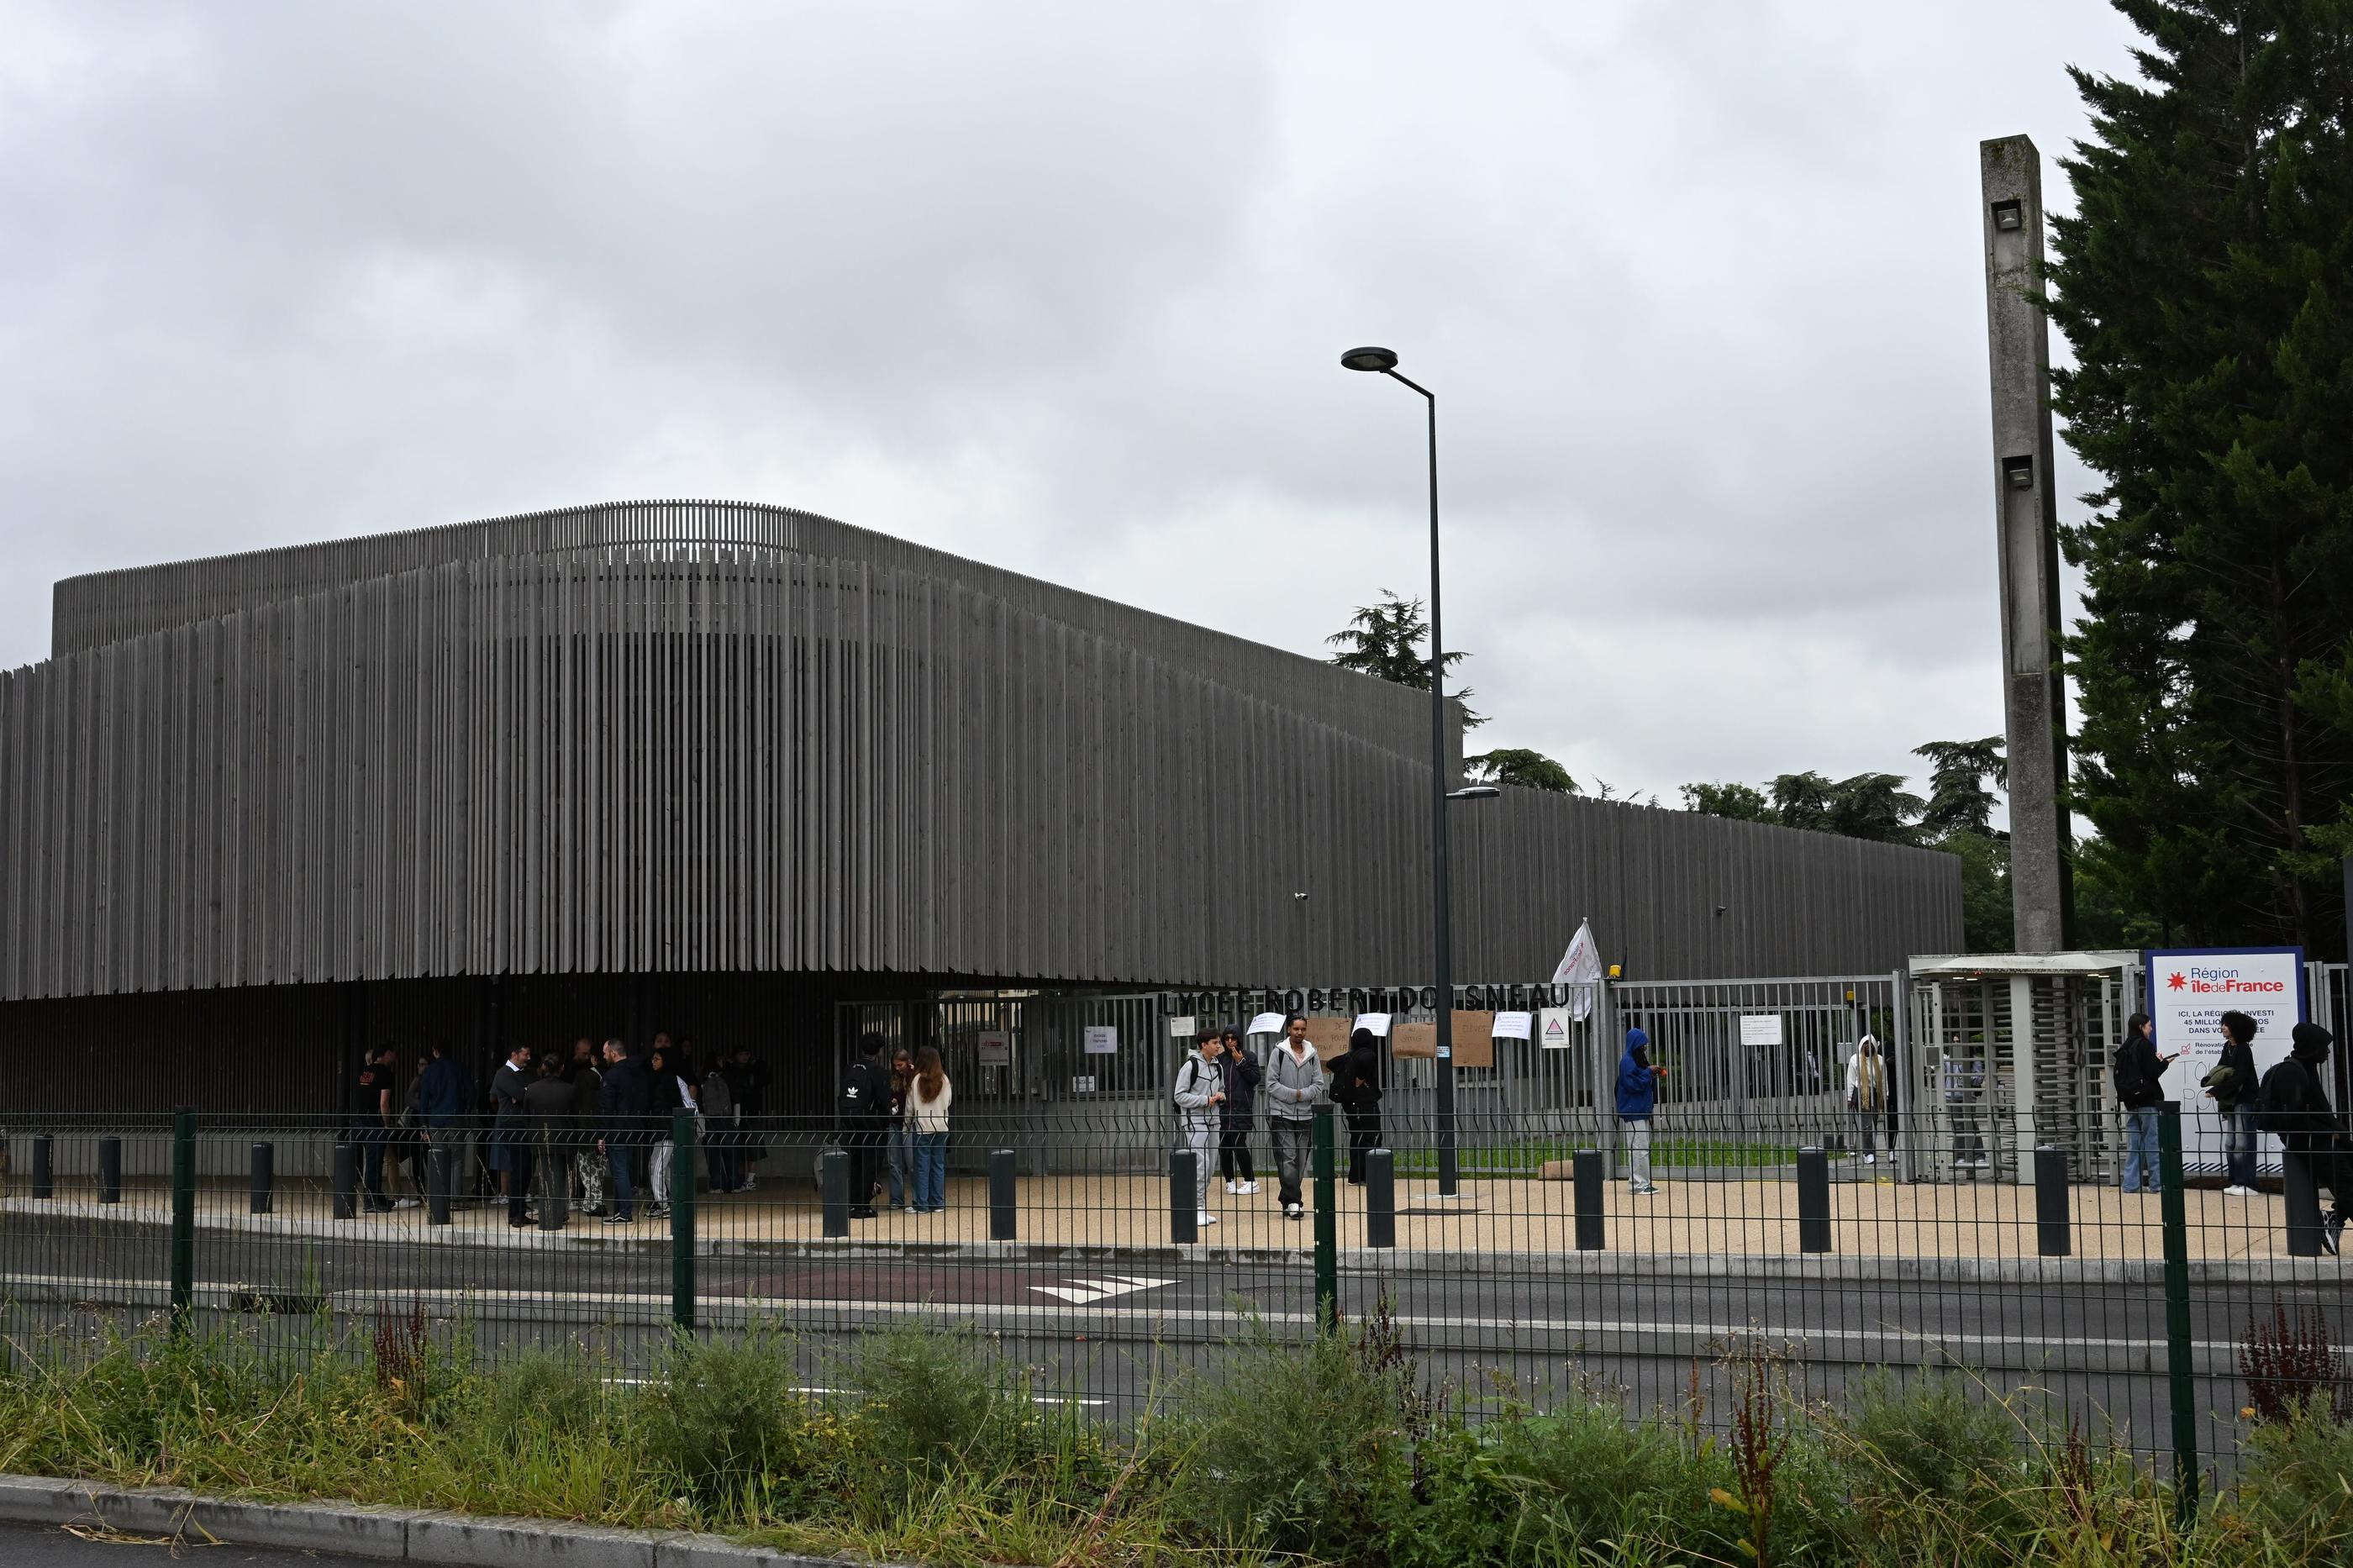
(1086, 1293)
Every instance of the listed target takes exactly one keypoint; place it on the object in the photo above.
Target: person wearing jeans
(929, 1095)
(1294, 1082)
(2231, 1086)
(1637, 1093)
(2140, 1088)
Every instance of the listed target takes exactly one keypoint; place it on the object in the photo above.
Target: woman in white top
(928, 1099)
(1866, 1095)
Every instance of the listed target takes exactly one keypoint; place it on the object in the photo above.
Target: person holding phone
(2140, 1089)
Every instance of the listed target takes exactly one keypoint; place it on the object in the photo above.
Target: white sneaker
(1292, 1211)
(1867, 1159)
(2237, 1192)
(1205, 1217)
(1247, 1189)
(1229, 1187)
(407, 1204)
(1644, 1191)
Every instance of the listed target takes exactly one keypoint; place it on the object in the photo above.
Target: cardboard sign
(1474, 1040)
(1328, 1036)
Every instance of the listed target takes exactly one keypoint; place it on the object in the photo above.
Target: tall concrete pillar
(2026, 514)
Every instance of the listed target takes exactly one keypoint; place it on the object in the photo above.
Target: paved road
(40, 1546)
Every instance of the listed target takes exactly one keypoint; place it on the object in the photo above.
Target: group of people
(2287, 1102)
(594, 1128)
(893, 1112)
(1217, 1092)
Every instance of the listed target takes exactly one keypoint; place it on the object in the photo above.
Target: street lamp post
(1384, 362)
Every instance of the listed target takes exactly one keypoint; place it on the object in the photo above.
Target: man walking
(2296, 1108)
(1294, 1082)
(1200, 1090)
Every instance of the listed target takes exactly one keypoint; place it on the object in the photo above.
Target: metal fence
(1085, 1247)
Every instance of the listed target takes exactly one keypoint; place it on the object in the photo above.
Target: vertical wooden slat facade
(698, 738)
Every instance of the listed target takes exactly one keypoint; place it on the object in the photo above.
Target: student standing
(1638, 1096)
(1356, 1090)
(1294, 1082)
(2296, 1108)
(1200, 1090)
(624, 1100)
(865, 1111)
(900, 1137)
(511, 1129)
(548, 1102)
(714, 1103)
(929, 1095)
(2231, 1086)
(372, 1115)
(1243, 1077)
(1866, 1096)
(750, 1082)
(2140, 1089)
(588, 1085)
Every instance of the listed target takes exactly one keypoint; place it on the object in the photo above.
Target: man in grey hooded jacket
(1200, 1090)
(1293, 1083)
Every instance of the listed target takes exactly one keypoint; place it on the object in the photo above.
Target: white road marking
(1087, 1293)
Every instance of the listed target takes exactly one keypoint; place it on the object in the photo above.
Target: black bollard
(1184, 1197)
(1813, 1201)
(1002, 1217)
(110, 1170)
(45, 1177)
(2303, 1202)
(1380, 1198)
(347, 1182)
(1585, 1177)
(2052, 1234)
(265, 1169)
(436, 1184)
(833, 1191)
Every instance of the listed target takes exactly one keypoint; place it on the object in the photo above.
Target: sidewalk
(1725, 1218)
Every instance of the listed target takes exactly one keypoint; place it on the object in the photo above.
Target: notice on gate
(1102, 1040)
(1513, 1026)
(2188, 990)
(995, 1048)
(1182, 1029)
(1552, 1028)
(1760, 1029)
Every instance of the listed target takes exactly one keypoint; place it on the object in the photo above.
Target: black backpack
(2132, 1084)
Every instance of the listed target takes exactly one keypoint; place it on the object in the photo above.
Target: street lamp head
(1369, 359)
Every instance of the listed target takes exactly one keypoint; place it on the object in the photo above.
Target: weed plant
(925, 1445)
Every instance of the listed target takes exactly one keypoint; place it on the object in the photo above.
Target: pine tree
(1520, 766)
(2206, 282)
(1385, 640)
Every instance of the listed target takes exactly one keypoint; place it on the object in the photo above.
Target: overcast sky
(1063, 287)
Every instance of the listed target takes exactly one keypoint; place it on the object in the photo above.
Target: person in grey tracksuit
(1200, 1091)
(1293, 1083)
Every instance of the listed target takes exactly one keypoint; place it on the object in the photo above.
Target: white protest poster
(1378, 1023)
(1513, 1026)
(1760, 1029)
(995, 1048)
(2189, 989)
(1552, 1028)
(1102, 1040)
(1265, 1024)
(1580, 970)
(1184, 1028)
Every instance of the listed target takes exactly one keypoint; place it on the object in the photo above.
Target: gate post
(2179, 1366)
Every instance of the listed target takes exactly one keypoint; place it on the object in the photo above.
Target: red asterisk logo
(2174, 981)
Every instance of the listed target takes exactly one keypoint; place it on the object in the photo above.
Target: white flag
(1580, 969)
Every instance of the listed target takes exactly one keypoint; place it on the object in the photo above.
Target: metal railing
(1582, 1253)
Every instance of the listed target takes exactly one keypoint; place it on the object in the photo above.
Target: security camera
(1301, 896)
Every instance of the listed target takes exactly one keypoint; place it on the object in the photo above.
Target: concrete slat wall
(733, 757)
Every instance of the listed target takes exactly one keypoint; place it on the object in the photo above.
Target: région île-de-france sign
(2188, 990)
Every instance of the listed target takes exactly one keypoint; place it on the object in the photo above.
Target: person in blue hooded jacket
(1638, 1096)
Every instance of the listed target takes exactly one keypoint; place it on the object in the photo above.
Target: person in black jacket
(2296, 1109)
(1356, 1090)
(625, 1101)
(865, 1110)
(2231, 1086)
(1243, 1076)
(2140, 1089)
(511, 1131)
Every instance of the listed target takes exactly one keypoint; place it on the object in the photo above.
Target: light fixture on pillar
(2008, 215)
(2019, 472)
